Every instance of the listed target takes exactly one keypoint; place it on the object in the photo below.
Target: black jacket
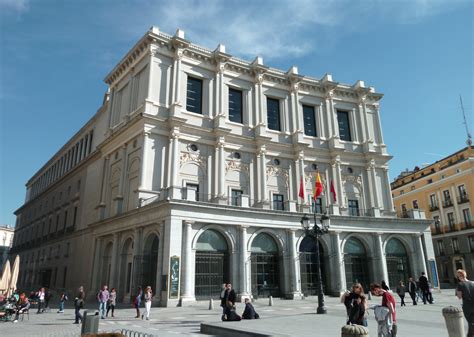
(249, 312)
(423, 281)
(230, 296)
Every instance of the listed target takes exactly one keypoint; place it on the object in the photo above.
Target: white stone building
(188, 176)
(6, 241)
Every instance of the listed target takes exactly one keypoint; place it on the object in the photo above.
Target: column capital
(243, 227)
(188, 222)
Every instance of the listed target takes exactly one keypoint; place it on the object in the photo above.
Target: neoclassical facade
(188, 176)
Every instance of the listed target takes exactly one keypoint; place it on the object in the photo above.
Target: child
(62, 299)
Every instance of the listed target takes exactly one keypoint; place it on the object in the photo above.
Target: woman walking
(356, 305)
(401, 293)
(137, 301)
(111, 303)
(62, 300)
(148, 298)
(79, 304)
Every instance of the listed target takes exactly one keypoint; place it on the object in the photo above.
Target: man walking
(388, 301)
(465, 291)
(412, 289)
(79, 304)
(103, 298)
(425, 288)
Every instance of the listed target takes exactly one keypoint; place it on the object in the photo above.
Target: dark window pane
(194, 95)
(235, 105)
(273, 114)
(278, 202)
(236, 197)
(309, 121)
(353, 206)
(344, 127)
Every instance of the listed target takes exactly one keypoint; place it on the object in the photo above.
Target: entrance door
(397, 262)
(356, 264)
(212, 265)
(308, 267)
(265, 273)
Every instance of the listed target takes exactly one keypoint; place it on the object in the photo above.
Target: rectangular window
(353, 206)
(437, 224)
(235, 105)
(65, 220)
(447, 196)
(466, 214)
(192, 189)
(273, 114)
(309, 121)
(455, 245)
(433, 201)
(461, 190)
(440, 247)
(319, 205)
(278, 202)
(450, 221)
(194, 95)
(415, 204)
(344, 126)
(66, 253)
(236, 198)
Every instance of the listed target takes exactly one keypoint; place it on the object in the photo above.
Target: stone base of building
(187, 301)
(241, 297)
(294, 296)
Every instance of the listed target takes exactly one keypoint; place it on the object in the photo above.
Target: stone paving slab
(292, 318)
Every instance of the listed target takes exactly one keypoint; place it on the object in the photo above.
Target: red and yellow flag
(318, 187)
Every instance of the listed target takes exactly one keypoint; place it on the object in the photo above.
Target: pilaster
(188, 296)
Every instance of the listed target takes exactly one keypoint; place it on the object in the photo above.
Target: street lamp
(315, 233)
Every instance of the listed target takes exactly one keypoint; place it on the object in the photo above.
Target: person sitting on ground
(223, 299)
(22, 306)
(249, 311)
(356, 305)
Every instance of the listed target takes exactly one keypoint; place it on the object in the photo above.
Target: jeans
(77, 309)
(102, 309)
(413, 297)
(111, 306)
(61, 306)
(469, 314)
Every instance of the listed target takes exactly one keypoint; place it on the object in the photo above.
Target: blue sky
(54, 55)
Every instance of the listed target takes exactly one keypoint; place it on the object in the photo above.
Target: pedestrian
(356, 305)
(249, 311)
(137, 301)
(424, 288)
(103, 298)
(412, 289)
(401, 293)
(112, 301)
(384, 286)
(465, 291)
(148, 297)
(62, 300)
(47, 297)
(223, 298)
(79, 304)
(22, 305)
(230, 297)
(389, 302)
(40, 295)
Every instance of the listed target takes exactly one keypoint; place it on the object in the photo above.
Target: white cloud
(17, 6)
(278, 28)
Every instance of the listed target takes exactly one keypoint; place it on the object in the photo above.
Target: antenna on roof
(469, 137)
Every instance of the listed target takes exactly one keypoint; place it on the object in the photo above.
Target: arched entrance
(106, 265)
(149, 262)
(397, 262)
(212, 264)
(126, 262)
(308, 266)
(265, 266)
(355, 263)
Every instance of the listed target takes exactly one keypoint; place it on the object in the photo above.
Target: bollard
(453, 316)
(211, 304)
(354, 331)
(90, 323)
(270, 301)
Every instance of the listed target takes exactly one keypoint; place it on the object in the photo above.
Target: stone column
(105, 184)
(221, 193)
(262, 175)
(370, 185)
(362, 119)
(176, 83)
(153, 51)
(332, 119)
(390, 206)
(115, 260)
(375, 190)
(336, 174)
(123, 176)
(174, 191)
(421, 254)
(339, 268)
(188, 296)
(172, 242)
(243, 277)
(143, 174)
(382, 260)
(335, 206)
(379, 123)
(295, 282)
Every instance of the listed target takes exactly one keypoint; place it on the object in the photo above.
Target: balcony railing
(463, 198)
(447, 203)
(434, 208)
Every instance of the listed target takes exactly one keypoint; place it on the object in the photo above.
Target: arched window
(308, 266)
(355, 263)
(397, 262)
(265, 266)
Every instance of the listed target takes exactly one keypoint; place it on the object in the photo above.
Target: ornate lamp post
(316, 232)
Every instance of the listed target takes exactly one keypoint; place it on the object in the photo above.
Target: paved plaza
(291, 318)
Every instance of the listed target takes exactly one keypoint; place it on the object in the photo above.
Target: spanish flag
(318, 187)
